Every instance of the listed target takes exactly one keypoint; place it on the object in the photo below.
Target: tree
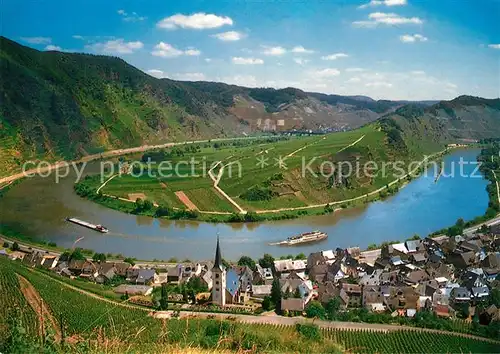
(139, 204)
(315, 310)
(267, 304)
(147, 205)
(6, 244)
(332, 308)
(130, 260)
(300, 256)
(99, 257)
(77, 255)
(267, 261)
(247, 261)
(296, 293)
(414, 238)
(276, 295)
(15, 246)
(65, 256)
(163, 210)
(196, 285)
(164, 297)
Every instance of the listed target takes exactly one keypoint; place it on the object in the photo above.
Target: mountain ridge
(58, 105)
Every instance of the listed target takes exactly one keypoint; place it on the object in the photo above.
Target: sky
(385, 49)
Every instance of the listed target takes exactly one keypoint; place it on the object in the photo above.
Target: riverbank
(429, 206)
(90, 188)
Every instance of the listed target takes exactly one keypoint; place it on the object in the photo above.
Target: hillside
(42, 313)
(65, 105)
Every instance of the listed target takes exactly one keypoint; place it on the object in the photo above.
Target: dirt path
(106, 182)
(185, 200)
(216, 180)
(107, 154)
(39, 306)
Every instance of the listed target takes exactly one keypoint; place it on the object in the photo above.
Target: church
(218, 279)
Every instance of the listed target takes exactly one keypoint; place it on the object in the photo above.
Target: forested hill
(64, 105)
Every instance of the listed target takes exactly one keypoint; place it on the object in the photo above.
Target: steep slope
(463, 119)
(64, 105)
(60, 105)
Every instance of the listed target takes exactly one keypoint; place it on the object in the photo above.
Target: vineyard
(89, 320)
(14, 310)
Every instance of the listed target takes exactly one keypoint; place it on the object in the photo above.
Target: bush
(309, 331)
(315, 310)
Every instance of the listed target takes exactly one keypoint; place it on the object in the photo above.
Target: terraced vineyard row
(407, 341)
(14, 309)
(84, 315)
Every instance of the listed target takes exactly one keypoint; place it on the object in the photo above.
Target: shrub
(309, 331)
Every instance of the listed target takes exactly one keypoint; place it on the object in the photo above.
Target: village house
(262, 275)
(354, 294)
(292, 305)
(288, 265)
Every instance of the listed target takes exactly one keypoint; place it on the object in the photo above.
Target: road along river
(38, 207)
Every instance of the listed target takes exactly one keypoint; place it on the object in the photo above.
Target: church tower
(218, 279)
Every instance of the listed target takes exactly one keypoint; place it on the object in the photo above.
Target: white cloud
(374, 3)
(132, 17)
(53, 47)
(389, 19)
(166, 50)
(118, 46)
(275, 51)
(353, 80)
(198, 20)
(247, 61)
(417, 72)
(354, 70)
(241, 80)
(302, 50)
(229, 36)
(301, 61)
(77, 36)
(378, 84)
(412, 38)
(156, 73)
(37, 40)
(494, 46)
(334, 56)
(190, 76)
(192, 52)
(324, 73)
(160, 74)
(208, 60)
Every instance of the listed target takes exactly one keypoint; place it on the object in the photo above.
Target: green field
(265, 175)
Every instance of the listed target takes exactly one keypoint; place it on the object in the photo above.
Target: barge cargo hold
(97, 227)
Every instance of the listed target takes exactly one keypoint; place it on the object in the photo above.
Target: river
(38, 207)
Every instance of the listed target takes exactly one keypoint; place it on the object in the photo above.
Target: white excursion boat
(313, 236)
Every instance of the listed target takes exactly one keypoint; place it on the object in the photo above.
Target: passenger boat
(97, 227)
(307, 237)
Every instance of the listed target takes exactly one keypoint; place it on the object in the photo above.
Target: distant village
(444, 275)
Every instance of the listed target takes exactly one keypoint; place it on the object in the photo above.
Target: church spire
(218, 257)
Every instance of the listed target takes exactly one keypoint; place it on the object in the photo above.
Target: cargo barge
(307, 237)
(97, 227)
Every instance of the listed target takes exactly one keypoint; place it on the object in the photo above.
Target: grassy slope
(121, 329)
